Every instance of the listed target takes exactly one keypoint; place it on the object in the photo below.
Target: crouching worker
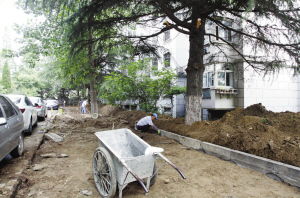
(146, 123)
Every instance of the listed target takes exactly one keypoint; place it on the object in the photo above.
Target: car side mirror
(36, 104)
(3, 121)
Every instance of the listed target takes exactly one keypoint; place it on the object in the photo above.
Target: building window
(206, 50)
(208, 79)
(167, 35)
(155, 63)
(225, 78)
(228, 33)
(228, 36)
(206, 93)
(205, 84)
(167, 59)
(167, 109)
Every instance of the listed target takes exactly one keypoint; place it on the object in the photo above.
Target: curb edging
(273, 169)
(20, 178)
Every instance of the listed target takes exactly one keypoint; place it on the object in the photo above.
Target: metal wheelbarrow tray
(123, 157)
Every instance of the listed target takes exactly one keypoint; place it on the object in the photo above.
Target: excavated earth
(207, 176)
(253, 130)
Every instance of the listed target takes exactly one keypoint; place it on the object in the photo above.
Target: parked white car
(11, 127)
(28, 110)
(40, 106)
(52, 104)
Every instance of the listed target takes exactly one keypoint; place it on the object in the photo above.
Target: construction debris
(54, 137)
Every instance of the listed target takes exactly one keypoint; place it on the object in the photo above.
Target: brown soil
(253, 130)
(207, 176)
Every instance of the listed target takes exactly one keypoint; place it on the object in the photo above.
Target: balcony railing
(206, 92)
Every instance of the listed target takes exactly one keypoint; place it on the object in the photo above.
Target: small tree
(136, 83)
(6, 80)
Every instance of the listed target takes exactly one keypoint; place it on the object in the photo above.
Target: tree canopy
(264, 24)
(185, 15)
(139, 83)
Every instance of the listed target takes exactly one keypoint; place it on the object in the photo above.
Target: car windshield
(14, 98)
(34, 99)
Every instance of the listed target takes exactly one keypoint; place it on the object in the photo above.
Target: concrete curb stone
(273, 169)
(39, 137)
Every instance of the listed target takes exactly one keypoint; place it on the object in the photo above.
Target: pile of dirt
(84, 123)
(107, 110)
(257, 110)
(253, 130)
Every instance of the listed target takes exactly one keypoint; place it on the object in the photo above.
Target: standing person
(83, 105)
(80, 106)
(146, 123)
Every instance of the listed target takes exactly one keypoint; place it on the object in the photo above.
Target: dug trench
(64, 169)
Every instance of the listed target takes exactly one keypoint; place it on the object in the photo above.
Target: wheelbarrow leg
(148, 183)
(121, 187)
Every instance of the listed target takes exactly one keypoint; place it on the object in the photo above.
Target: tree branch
(251, 36)
(234, 48)
(170, 13)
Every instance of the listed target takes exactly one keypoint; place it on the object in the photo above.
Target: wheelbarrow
(122, 158)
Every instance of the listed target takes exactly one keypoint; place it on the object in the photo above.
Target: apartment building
(228, 81)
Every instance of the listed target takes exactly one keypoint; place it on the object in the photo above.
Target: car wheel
(29, 130)
(18, 151)
(36, 122)
(45, 116)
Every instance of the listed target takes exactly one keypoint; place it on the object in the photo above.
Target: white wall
(180, 49)
(178, 46)
(277, 92)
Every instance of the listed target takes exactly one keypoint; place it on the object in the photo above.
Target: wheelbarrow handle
(171, 163)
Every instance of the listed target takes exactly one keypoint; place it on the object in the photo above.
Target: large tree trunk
(195, 71)
(93, 94)
(93, 90)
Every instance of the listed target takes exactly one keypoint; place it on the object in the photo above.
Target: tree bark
(195, 70)
(93, 90)
(93, 94)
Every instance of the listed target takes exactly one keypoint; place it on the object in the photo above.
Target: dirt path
(208, 176)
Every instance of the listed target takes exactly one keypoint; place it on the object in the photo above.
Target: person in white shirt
(146, 123)
(83, 106)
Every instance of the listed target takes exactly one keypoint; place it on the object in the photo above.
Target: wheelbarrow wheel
(104, 173)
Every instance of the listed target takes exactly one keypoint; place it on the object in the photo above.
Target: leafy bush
(139, 82)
